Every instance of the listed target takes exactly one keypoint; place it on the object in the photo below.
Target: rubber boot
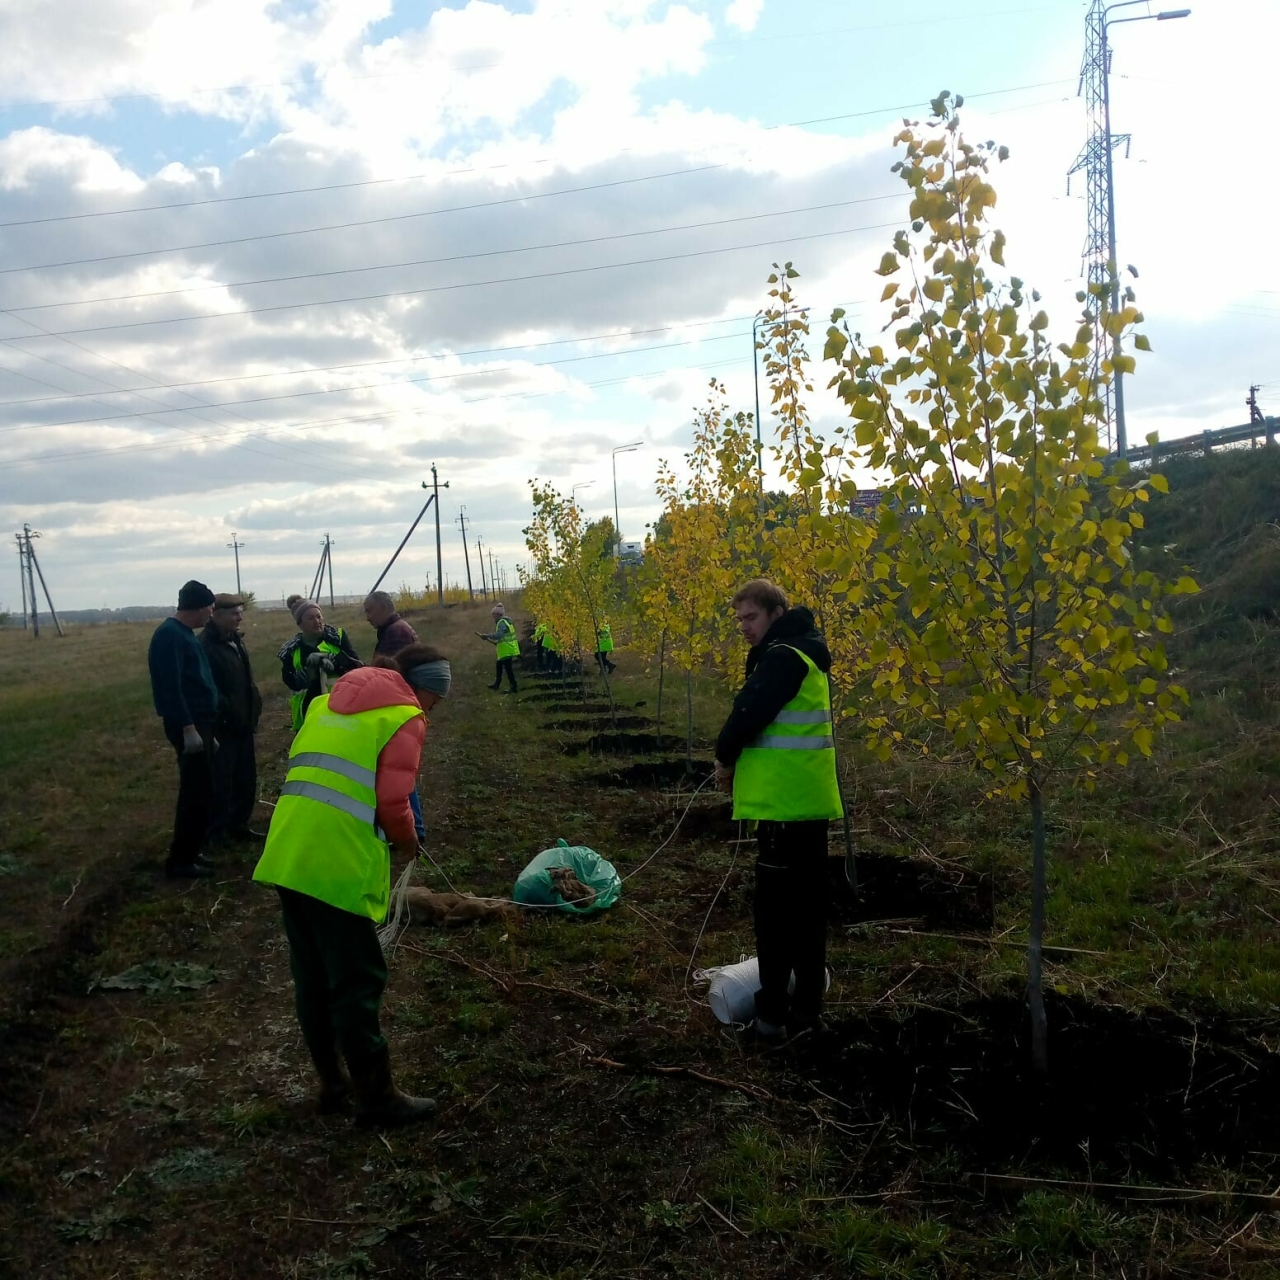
(335, 1084)
(379, 1103)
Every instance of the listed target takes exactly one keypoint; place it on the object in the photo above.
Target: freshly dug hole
(899, 888)
(625, 743)
(580, 723)
(652, 775)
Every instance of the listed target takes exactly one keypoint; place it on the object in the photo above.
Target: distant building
(630, 552)
(866, 502)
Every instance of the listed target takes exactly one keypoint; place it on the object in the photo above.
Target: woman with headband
(343, 808)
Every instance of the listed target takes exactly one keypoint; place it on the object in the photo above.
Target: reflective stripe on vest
(788, 773)
(323, 839)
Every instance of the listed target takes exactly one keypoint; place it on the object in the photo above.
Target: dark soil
(1153, 1095)
(586, 708)
(653, 774)
(898, 888)
(623, 743)
(582, 723)
(554, 693)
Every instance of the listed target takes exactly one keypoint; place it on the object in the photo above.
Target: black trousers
(542, 656)
(507, 665)
(195, 796)
(339, 976)
(606, 663)
(791, 906)
(235, 784)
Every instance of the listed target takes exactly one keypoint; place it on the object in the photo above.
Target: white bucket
(732, 993)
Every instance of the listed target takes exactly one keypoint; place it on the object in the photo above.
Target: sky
(263, 264)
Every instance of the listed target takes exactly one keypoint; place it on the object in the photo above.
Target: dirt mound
(1152, 1094)
(649, 775)
(623, 744)
(897, 888)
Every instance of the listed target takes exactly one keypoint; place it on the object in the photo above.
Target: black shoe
(513, 689)
(196, 870)
(496, 687)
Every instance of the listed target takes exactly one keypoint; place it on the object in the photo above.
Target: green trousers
(339, 976)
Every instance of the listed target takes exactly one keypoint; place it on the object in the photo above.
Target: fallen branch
(751, 1090)
(992, 942)
(1130, 1191)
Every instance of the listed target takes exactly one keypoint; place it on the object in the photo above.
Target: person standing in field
(503, 636)
(776, 754)
(394, 633)
(186, 700)
(345, 799)
(604, 647)
(317, 649)
(235, 770)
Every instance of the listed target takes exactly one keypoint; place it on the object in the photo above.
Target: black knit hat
(194, 595)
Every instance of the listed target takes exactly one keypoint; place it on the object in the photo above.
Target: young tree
(1000, 602)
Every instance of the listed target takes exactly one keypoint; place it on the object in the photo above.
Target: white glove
(192, 742)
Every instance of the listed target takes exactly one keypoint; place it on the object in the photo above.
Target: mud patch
(896, 888)
(634, 744)
(653, 775)
(1152, 1094)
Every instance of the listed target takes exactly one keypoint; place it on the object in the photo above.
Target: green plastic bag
(535, 889)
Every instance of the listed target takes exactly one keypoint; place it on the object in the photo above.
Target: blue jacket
(182, 685)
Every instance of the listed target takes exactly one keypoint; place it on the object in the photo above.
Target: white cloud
(744, 14)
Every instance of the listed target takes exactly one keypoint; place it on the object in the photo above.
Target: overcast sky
(262, 264)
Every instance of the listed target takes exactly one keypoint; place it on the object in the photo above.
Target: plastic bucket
(732, 993)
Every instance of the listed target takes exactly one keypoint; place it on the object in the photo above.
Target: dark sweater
(239, 702)
(394, 634)
(775, 673)
(182, 685)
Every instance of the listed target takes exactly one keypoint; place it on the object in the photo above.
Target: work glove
(192, 742)
(314, 662)
(327, 666)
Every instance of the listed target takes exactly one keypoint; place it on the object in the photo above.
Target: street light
(617, 524)
(582, 484)
(1103, 23)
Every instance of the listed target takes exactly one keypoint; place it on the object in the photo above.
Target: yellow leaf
(934, 289)
(890, 289)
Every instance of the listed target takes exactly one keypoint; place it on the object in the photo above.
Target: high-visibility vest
(508, 645)
(539, 632)
(605, 639)
(549, 641)
(324, 839)
(299, 665)
(788, 773)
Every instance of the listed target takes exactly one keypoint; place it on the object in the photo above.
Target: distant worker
(186, 700)
(539, 638)
(344, 800)
(316, 650)
(776, 753)
(394, 633)
(235, 769)
(604, 647)
(555, 659)
(508, 647)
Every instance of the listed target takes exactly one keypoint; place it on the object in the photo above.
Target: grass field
(595, 1119)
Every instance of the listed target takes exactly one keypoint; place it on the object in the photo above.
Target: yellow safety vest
(605, 639)
(324, 839)
(508, 645)
(788, 774)
(299, 664)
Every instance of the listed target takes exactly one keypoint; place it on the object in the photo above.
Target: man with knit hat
(186, 700)
(343, 807)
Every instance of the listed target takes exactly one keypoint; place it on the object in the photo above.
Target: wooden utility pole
(484, 585)
(235, 544)
(435, 490)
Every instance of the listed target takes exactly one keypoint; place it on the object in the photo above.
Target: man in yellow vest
(503, 636)
(345, 799)
(776, 754)
(604, 647)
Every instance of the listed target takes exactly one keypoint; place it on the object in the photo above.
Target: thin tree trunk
(662, 670)
(1035, 948)
(688, 723)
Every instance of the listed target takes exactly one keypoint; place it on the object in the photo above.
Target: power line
(42, 459)
(469, 284)
(415, 177)
(462, 257)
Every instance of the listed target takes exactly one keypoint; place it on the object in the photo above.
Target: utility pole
(435, 489)
(462, 521)
(33, 563)
(22, 577)
(484, 585)
(1101, 263)
(235, 544)
(493, 577)
(328, 559)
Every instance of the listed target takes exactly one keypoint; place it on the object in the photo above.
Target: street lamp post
(1097, 67)
(573, 489)
(617, 524)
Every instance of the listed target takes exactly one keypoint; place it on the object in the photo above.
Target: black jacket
(309, 681)
(774, 676)
(239, 702)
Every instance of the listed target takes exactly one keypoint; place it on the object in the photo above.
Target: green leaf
(888, 265)
(1141, 342)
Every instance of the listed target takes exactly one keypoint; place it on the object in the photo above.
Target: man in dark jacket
(235, 771)
(186, 700)
(776, 753)
(394, 633)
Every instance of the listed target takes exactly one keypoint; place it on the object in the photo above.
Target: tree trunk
(688, 721)
(662, 668)
(1035, 948)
